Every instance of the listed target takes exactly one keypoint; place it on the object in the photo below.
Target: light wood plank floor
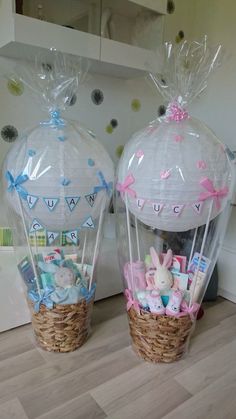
(105, 379)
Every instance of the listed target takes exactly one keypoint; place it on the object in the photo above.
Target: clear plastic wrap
(57, 181)
(175, 185)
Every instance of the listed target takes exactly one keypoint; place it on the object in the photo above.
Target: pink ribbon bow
(125, 186)
(131, 301)
(192, 311)
(212, 192)
(175, 112)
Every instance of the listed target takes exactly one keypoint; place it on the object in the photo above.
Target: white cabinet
(22, 36)
(13, 307)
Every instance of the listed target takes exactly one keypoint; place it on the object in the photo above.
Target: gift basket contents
(174, 188)
(58, 182)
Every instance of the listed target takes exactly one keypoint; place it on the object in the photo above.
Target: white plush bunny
(162, 278)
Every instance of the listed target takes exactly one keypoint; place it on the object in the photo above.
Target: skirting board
(226, 294)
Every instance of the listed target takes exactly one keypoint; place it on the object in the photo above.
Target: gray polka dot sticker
(97, 96)
(9, 133)
(161, 110)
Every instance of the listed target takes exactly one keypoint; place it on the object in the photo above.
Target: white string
(201, 252)
(137, 238)
(129, 240)
(83, 251)
(193, 245)
(28, 243)
(97, 241)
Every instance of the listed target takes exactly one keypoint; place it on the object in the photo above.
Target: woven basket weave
(159, 338)
(63, 328)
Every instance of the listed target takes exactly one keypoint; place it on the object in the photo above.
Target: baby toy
(155, 302)
(67, 289)
(173, 306)
(162, 279)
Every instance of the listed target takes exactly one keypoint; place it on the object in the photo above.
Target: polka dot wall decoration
(9, 133)
(91, 162)
(170, 6)
(97, 96)
(161, 110)
(119, 150)
(179, 37)
(109, 129)
(15, 87)
(136, 105)
(114, 123)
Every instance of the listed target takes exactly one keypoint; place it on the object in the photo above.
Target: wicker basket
(159, 338)
(63, 328)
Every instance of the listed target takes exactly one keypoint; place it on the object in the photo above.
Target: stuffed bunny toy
(67, 290)
(162, 279)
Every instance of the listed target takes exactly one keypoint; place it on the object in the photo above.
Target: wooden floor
(105, 379)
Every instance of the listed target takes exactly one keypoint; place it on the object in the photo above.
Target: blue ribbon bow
(104, 185)
(43, 298)
(15, 184)
(88, 295)
(55, 120)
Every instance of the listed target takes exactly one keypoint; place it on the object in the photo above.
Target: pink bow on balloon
(175, 112)
(192, 311)
(131, 301)
(125, 186)
(212, 192)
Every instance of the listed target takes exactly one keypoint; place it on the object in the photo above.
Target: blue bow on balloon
(55, 120)
(43, 298)
(15, 184)
(88, 295)
(104, 185)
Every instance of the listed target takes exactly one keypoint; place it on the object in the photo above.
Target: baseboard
(226, 294)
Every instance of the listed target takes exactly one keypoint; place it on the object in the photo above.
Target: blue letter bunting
(72, 201)
(51, 236)
(51, 203)
(91, 199)
(73, 236)
(31, 201)
(88, 223)
(36, 226)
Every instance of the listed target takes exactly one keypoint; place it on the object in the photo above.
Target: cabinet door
(14, 310)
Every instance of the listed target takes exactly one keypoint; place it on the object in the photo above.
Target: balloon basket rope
(63, 328)
(159, 338)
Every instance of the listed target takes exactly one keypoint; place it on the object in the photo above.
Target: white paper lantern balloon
(171, 171)
(68, 175)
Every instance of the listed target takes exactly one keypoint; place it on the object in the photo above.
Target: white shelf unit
(22, 37)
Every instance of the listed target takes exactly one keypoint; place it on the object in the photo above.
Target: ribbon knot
(55, 120)
(175, 112)
(125, 186)
(212, 192)
(88, 295)
(192, 310)
(107, 186)
(43, 298)
(15, 184)
(131, 301)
